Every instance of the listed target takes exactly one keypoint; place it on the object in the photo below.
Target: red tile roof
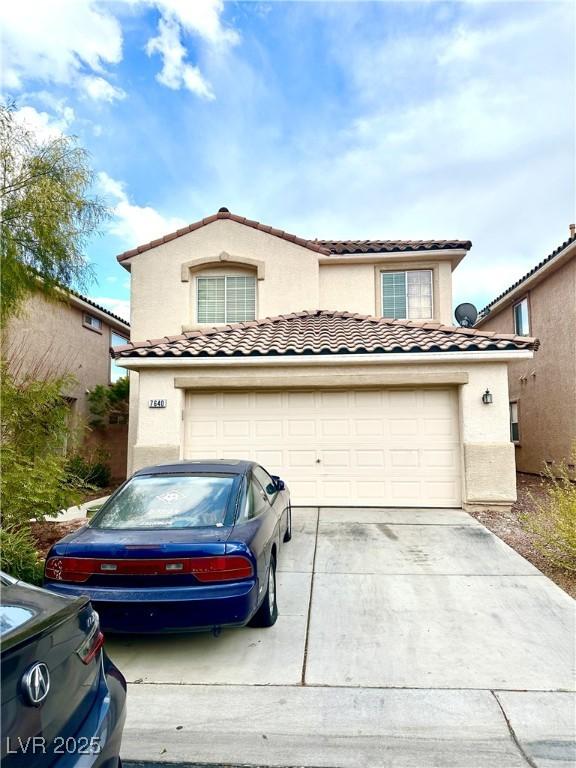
(324, 247)
(321, 332)
(342, 247)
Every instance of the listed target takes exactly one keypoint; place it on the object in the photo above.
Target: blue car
(186, 546)
(63, 700)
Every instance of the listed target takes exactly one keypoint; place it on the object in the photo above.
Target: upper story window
(521, 318)
(226, 299)
(407, 295)
(92, 322)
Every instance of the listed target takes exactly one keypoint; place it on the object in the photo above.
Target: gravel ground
(508, 526)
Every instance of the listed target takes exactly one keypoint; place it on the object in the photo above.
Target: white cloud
(54, 41)
(45, 126)
(200, 17)
(72, 42)
(120, 307)
(176, 73)
(135, 224)
(101, 90)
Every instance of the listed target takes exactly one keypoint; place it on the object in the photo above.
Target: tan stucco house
(542, 390)
(332, 363)
(71, 337)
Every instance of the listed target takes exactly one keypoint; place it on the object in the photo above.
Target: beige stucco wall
(292, 278)
(545, 387)
(162, 303)
(357, 287)
(49, 337)
(487, 455)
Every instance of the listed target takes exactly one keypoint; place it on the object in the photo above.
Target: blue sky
(330, 120)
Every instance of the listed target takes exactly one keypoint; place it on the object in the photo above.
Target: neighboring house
(543, 390)
(74, 337)
(372, 401)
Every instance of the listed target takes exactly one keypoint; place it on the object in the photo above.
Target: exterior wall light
(487, 397)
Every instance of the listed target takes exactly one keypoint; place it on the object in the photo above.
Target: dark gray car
(63, 701)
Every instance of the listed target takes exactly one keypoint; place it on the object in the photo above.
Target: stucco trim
(294, 360)
(196, 265)
(325, 380)
(453, 255)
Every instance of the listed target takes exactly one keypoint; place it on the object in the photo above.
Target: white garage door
(361, 448)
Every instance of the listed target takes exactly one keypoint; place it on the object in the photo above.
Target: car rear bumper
(104, 724)
(173, 609)
(95, 744)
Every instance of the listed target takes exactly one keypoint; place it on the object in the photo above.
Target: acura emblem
(36, 683)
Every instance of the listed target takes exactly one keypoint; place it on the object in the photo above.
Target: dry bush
(553, 520)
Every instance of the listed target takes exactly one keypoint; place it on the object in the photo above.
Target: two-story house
(72, 338)
(543, 390)
(331, 363)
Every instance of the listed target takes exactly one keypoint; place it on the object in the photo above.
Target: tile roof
(324, 247)
(320, 332)
(341, 247)
(225, 214)
(98, 306)
(556, 252)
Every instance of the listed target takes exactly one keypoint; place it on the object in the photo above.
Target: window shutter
(211, 295)
(240, 299)
(394, 295)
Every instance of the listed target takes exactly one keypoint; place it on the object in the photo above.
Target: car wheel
(267, 614)
(288, 534)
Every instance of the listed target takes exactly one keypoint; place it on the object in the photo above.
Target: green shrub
(19, 556)
(553, 521)
(92, 471)
(111, 401)
(35, 482)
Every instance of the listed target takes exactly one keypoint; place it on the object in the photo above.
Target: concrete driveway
(405, 638)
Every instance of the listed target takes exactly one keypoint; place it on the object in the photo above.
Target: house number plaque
(157, 403)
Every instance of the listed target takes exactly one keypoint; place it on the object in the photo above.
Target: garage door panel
(404, 490)
(404, 458)
(371, 459)
(370, 489)
(268, 428)
(440, 490)
(299, 428)
(334, 428)
(377, 447)
(403, 427)
(199, 429)
(236, 428)
(369, 427)
(440, 457)
(272, 460)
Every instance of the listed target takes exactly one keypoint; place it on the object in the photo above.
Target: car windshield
(168, 501)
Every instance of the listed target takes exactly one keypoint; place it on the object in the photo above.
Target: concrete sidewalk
(405, 638)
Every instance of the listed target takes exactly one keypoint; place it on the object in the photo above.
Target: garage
(368, 447)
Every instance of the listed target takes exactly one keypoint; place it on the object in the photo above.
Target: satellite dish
(466, 315)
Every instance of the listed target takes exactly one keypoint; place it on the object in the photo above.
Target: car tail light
(93, 641)
(205, 569)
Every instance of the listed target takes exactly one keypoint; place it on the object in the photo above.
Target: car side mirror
(280, 486)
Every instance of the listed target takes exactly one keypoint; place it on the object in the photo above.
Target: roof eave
(410, 358)
(528, 283)
(453, 255)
